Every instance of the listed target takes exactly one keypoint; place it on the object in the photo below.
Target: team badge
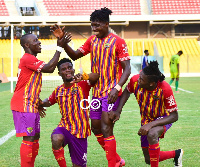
(107, 45)
(156, 98)
(74, 90)
(30, 129)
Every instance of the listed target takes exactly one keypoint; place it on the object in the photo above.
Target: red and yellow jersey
(74, 118)
(27, 90)
(153, 104)
(106, 55)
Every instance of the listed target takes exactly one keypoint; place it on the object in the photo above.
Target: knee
(96, 131)
(106, 129)
(57, 141)
(152, 137)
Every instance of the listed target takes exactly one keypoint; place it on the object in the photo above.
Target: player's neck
(34, 54)
(151, 88)
(68, 84)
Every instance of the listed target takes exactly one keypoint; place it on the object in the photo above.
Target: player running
(25, 100)
(74, 127)
(158, 110)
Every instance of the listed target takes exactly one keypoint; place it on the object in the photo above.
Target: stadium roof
(84, 20)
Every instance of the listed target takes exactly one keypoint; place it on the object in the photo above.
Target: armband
(85, 76)
(118, 87)
(59, 49)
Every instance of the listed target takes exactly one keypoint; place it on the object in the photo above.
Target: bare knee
(57, 141)
(152, 137)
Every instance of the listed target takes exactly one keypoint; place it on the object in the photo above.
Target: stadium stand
(160, 7)
(3, 9)
(77, 7)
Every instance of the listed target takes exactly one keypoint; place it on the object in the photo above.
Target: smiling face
(100, 29)
(66, 71)
(32, 44)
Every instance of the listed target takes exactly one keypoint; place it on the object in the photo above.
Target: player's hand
(144, 129)
(41, 111)
(112, 96)
(77, 78)
(114, 116)
(65, 39)
(57, 31)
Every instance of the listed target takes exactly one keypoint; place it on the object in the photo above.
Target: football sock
(100, 139)
(110, 148)
(59, 156)
(26, 153)
(176, 85)
(35, 151)
(166, 155)
(170, 82)
(154, 151)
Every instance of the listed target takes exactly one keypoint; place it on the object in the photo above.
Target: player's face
(34, 44)
(143, 81)
(100, 29)
(66, 72)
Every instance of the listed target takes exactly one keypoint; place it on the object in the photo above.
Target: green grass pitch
(185, 133)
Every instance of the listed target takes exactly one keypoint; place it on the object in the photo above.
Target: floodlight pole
(11, 89)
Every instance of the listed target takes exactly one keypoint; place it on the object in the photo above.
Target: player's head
(31, 44)
(146, 52)
(100, 22)
(150, 75)
(180, 52)
(65, 69)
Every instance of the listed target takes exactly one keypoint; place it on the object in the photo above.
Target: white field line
(183, 90)
(6, 137)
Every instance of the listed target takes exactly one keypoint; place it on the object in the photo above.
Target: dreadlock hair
(153, 72)
(23, 39)
(101, 15)
(64, 60)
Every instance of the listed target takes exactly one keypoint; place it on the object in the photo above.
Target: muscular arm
(74, 55)
(126, 72)
(45, 103)
(93, 77)
(178, 68)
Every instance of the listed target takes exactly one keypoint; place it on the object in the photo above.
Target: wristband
(85, 76)
(118, 87)
(59, 49)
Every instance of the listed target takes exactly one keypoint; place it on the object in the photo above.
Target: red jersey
(27, 90)
(106, 54)
(74, 118)
(153, 104)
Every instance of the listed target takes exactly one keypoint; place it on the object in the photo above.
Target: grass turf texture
(183, 134)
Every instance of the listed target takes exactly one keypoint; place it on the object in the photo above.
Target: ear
(26, 45)
(152, 84)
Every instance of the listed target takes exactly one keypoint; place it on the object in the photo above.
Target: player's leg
(172, 78)
(176, 84)
(25, 127)
(57, 139)
(109, 138)
(36, 138)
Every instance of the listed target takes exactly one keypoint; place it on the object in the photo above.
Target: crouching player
(74, 127)
(158, 111)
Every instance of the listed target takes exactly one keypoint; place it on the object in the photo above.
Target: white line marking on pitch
(6, 137)
(183, 90)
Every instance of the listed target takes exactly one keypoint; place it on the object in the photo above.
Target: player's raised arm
(51, 65)
(92, 77)
(58, 32)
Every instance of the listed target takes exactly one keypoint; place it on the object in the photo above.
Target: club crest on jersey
(74, 90)
(156, 98)
(29, 129)
(107, 45)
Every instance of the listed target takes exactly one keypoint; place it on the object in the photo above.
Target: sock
(100, 139)
(110, 148)
(166, 155)
(170, 82)
(176, 85)
(59, 156)
(35, 151)
(26, 153)
(154, 151)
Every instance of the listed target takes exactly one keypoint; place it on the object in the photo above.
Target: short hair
(101, 15)
(153, 72)
(64, 60)
(146, 51)
(23, 39)
(180, 52)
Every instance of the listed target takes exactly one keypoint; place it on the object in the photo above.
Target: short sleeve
(85, 85)
(169, 100)
(130, 86)
(52, 98)
(178, 59)
(122, 50)
(85, 48)
(34, 64)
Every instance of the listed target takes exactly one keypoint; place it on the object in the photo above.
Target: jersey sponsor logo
(29, 129)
